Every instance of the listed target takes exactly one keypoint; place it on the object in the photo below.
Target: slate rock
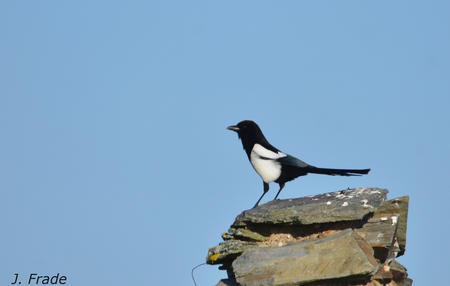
(227, 250)
(399, 272)
(399, 207)
(379, 233)
(406, 282)
(346, 205)
(379, 229)
(245, 234)
(341, 255)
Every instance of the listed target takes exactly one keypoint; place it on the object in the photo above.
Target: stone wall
(349, 237)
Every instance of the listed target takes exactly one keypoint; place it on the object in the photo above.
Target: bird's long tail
(339, 172)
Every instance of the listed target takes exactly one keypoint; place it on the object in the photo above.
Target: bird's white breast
(265, 164)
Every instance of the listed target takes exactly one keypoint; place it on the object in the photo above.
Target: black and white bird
(275, 166)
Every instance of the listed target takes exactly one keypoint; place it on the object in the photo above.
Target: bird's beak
(233, 128)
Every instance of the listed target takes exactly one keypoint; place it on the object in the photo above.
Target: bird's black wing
(292, 161)
(291, 168)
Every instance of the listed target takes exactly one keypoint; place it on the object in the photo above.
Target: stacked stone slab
(349, 237)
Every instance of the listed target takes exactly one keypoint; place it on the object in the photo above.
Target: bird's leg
(281, 187)
(266, 189)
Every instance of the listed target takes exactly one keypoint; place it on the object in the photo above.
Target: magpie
(276, 166)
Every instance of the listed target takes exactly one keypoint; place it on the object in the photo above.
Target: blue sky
(116, 167)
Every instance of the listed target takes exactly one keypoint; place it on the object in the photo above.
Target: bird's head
(246, 130)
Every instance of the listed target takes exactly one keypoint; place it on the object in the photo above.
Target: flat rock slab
(398, 207)
(347, 205)
(380, 228)
(227, 250)
(340, 255)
